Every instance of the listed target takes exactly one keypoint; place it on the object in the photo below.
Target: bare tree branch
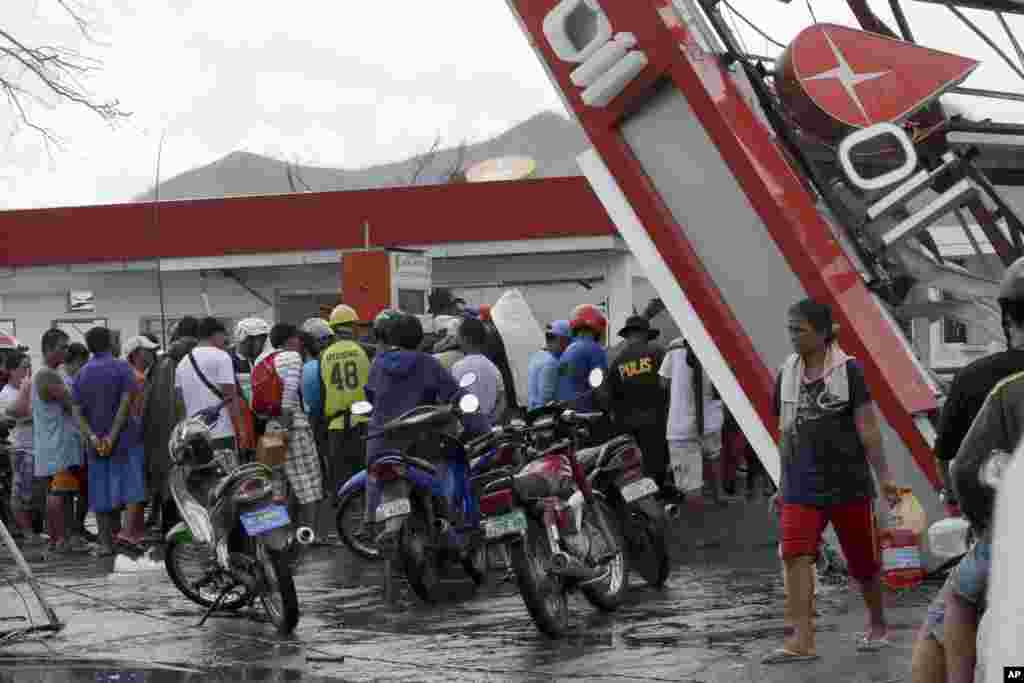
(294, 176)
(76, 13)
(456, 173)
(28, 72)
(424, 161)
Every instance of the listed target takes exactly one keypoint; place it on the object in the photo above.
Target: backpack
(267, 387)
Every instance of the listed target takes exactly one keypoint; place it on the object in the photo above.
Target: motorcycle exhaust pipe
(568, 566)
(673, 511)
(304, 535)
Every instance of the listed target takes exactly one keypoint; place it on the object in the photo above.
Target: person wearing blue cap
(543, 371)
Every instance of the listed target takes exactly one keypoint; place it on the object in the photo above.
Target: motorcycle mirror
(362, 408)
(991, 473)
(596, 378)
(469, 404)
(467, 380)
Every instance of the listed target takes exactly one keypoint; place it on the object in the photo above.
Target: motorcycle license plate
(511, 523)
(265, 519)
(638, 489)
(393, 508)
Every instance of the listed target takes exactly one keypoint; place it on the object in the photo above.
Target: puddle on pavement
(99, 672)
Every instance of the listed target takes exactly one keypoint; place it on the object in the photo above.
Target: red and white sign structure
(835, 79)
(721, 220)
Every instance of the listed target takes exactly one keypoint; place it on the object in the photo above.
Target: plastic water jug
(947, 538)
(902, 565)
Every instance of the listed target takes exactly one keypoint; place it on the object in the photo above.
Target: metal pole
(901, 20)
(981, 34)
(26, 571)
(993, 94)
(1013, 38)
(156, 230)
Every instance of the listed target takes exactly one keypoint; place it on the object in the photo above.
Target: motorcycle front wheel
(279, 599)
(543, 593)
(193, 569)
(606, 593)
(358, 539)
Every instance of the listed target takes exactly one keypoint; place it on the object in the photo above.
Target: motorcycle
(615, 468)
(561, 533)
(492, 455)
(423, 514)
(229, 516)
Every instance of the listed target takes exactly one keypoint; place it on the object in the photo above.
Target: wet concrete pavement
(720, 611)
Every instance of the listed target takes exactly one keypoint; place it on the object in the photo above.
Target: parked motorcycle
(244, 538)
(421, 508)
(615, 468)
(562, 534)
(493, 455)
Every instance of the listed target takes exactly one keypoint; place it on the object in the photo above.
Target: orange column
(366, 282)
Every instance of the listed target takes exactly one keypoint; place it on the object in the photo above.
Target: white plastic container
(947, 538)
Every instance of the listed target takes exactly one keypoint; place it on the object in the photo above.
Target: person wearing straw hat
(637, 398)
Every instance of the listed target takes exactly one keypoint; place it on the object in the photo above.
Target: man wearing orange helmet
(583, 355)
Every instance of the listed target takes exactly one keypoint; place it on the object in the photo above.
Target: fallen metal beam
(26, 572)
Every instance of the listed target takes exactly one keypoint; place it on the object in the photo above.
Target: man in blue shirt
(585, 353)
(543, 372)
(319, 338)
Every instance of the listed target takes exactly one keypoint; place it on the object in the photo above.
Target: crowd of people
(75, 426)
(660, 394)
(89, 431)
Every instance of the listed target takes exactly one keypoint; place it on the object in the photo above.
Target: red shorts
(854, 522)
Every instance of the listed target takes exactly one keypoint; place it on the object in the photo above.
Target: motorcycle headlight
(186, 432)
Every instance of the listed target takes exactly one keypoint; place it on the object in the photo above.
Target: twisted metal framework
(891, 272)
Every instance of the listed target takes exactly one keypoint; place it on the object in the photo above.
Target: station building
(130, 266)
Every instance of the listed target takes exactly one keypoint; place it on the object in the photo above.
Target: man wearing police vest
(344, 371)
(638, 401)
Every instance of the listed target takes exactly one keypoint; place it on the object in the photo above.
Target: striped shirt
(289, 368)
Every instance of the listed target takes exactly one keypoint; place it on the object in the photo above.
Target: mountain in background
(548, 138)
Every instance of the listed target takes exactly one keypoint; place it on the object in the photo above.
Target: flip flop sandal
(865, 644)
(784, 656)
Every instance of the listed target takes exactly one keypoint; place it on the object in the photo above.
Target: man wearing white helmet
(250, 340)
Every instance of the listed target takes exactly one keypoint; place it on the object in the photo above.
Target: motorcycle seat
(418, 418)
(587, 457)
(598, 455)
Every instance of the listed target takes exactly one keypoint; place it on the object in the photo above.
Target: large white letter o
(886, 179)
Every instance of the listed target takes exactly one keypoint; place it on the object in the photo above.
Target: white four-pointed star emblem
(846, 76)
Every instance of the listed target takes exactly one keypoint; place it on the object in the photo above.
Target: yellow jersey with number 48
(344, 371)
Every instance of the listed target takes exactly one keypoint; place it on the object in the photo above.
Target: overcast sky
(340, 83)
